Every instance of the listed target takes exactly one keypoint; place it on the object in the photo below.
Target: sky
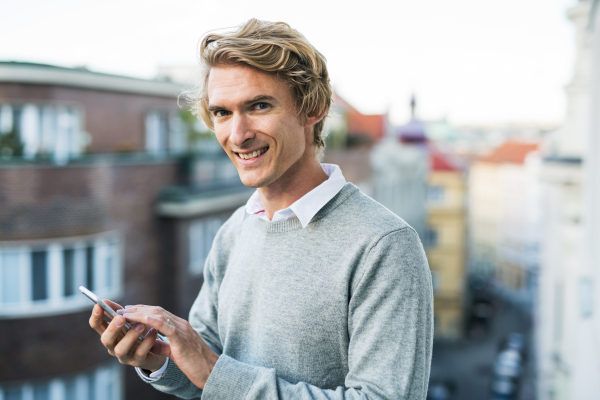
(470, 61)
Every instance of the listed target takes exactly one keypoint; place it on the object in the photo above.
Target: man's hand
(125, 345)
(186, 348)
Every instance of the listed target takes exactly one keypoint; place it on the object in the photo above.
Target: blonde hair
(272, 47)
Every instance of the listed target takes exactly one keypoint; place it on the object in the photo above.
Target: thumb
(161, 348)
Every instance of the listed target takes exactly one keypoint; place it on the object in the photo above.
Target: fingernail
(139, 327)
(96, 312)
(151, 331)
(128, 306)
(119, 322)
(121, 311)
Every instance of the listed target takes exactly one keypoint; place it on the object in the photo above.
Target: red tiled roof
(361, 124)
(511, 152)
(372, 125)
(441, 163)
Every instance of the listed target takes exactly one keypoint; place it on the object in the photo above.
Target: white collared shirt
(308, 205)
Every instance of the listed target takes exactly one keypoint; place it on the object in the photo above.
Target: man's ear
(311, 120)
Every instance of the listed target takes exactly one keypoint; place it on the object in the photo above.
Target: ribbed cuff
(229, 379)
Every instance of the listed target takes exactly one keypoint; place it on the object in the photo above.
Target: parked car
(441, 390)
(508, 368)
(516, 341)
(508, 364)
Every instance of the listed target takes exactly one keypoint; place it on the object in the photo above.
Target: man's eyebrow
(214, 108)
(260, 97)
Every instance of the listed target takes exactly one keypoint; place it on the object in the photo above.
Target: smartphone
(93, 297)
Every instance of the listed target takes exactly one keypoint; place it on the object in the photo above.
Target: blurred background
(475, 121)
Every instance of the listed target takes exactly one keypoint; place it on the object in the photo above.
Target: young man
(312, 290)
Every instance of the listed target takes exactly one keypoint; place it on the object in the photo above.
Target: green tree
(10, 144)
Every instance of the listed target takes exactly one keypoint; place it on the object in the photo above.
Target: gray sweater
(342, 309)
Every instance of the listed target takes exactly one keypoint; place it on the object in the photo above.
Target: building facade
(97, 188)
(567, 323)
(427, 189)
(445, 243)
(504, 219)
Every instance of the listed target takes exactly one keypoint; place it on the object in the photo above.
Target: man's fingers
(129, 343)
(161, 323)
(144, 347)
(161, 348)
(113, 333)
(154, 310)
(97, 321)
(112, 304)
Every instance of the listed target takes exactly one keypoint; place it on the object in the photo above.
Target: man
(312, 290)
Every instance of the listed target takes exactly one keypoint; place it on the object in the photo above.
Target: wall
(45, 202)
(115, 121)
(447, 257)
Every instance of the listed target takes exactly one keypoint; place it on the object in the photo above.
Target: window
(10, 272)
(41, 391)
(103, 383)
(32, 130)
(45, 278)
(202, 233)
(435, 194)
(38, 271)
(431, 237)
(165, 133)
(68, 272)
(435, 280)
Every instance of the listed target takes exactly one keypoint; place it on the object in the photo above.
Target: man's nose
(241, 129)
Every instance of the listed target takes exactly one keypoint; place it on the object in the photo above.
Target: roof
(413, 131)
(361, 124)
(44, 74)
(511, 152)
(372, 125)
(442, 162)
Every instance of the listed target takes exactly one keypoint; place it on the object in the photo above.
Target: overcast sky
(472, 61)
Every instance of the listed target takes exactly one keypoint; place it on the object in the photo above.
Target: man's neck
(291, 187)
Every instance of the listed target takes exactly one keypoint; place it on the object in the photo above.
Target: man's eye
(220, 113)
(261, 106)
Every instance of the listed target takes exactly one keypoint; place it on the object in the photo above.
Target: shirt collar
(308, 205)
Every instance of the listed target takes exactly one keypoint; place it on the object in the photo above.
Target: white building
(568, 324)
(504, 216)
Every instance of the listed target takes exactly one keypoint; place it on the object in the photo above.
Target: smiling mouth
(254, 154)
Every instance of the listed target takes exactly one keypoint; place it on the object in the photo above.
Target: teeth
(253, 154)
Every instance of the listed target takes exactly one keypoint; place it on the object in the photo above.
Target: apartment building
(102, 184)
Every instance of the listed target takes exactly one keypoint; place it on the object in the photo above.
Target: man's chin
(253, 181)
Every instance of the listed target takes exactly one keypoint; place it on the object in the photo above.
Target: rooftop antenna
(413, 105)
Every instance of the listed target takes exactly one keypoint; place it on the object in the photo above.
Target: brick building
(98, 187)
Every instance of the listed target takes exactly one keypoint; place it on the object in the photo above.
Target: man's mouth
(254, 154)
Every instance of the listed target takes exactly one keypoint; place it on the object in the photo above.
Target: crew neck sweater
(342, 309)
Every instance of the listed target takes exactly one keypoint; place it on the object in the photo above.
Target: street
(468, 363)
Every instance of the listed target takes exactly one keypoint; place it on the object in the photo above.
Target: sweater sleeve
(390, 328)
(203, 317)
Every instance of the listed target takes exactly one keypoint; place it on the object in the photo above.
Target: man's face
(256, 122)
